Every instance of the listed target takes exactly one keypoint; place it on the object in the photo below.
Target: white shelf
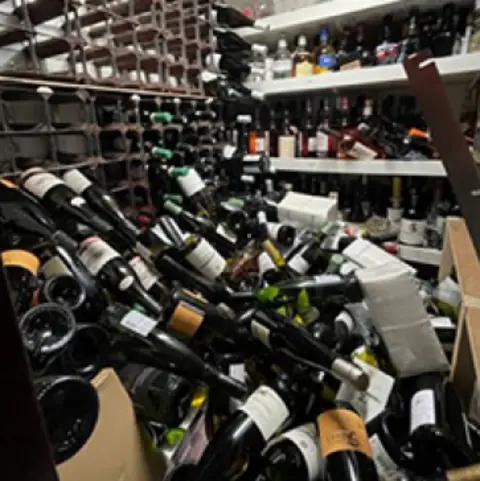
(454, 69)
(419, 168)
(334, 12)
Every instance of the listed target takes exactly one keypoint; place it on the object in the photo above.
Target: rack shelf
(457, 69)
(416, 168)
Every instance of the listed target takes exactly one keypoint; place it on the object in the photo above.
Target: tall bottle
(144, 343)
(271, 136)
(286, 138)
(282, 60)
(326, 59)
(307, 136)
(411, 41)
(387, 50)
(344, 445)
(443, 41)
(302, 61)
(326, 143)
(414, 219)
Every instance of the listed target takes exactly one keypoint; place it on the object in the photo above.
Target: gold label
(23, 259)
(185, 319)
(303, 69)
(274, 253)
(342, 430)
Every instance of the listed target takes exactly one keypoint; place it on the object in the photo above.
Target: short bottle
(282, 60)
(326, 59)
(302, 62)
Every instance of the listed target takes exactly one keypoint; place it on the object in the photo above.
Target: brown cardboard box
(115, 451)
(459, 253)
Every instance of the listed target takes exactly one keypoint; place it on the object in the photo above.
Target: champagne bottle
(70, 407)
(64, 204)
(145, 343)
(113, 272)
(294, 454)
(344, 444)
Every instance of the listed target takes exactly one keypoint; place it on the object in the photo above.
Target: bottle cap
(302, 41)
(178, 171)
(161, 117)
(161, 152)
(282, 43)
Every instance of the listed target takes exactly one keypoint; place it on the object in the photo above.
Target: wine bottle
(233, 65)
(112, 271)
(344, 444)
(102, 202)
(438, 433)
(294, 454)
(157, 395)
(145, 343)
(228, 41)
(413, 222)
(282, 233)
(21, 268)
(70, 407)
(243, 437)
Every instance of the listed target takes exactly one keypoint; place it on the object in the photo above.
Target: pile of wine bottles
(313, 352)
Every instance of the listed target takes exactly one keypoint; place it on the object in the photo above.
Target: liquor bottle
(344, 444)
(65, 205)
(157, 395)
(307, 136)
(282, 60)
(226, 40)
(302, 60)
(387, 50)
(362, 56)
(21, 268)
(271, 136)
(443, 41)
(473, 29)
(438, 432)
(286, 138)
(344, 48)
(326, 142)
(411, 41)
(395, 211)
(256, 136)
(54, 394)
(294, 454)
(114, 272)
(102, 202)
(413, 223)
(242, 438)
(326, 59)
(141, 341)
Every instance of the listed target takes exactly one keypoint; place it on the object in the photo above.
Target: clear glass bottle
(302, 61)
(282, 60)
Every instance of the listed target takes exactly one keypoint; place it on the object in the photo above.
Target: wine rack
(64, 62)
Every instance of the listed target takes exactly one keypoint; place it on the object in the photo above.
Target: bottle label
(262, 217)
(322, 144)
(76, 181)
(387, 53)
(325, 62)
(303, 69)
(260, 332)
(138, 323)
(78, 202)
(345, 318)
(55, 267)
(387, 469)
(191, 183)
(224, 233)
(267, 410)
(126, 282)
(259, 144)
(361, 151)
(206, 259)
(442, 322)
(306, 440)
(286, 146)
(299, 264)
(186, 319)
(412, 232)
(265, 263)
(95, 253)
(312, 145)
(422, 409)
(40, 183)
(394, 215)
(19, 258)
(144, 273)
(282, 68)
(342, 430)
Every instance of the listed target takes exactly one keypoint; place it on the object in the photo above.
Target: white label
(322, 144)
(261, 217)
(145, 275)
(260, 332)
(306, 440)
(238, 372)
(394, 215)
(39, 184)
(286, 146)
(387, 469)
(206, 259)
(371, 403)
(158, 232)
(76, 181)
(191, 183)
(78, 202)
(422, 409)
(267, 410)
(412, 232)
(265, 263)
(224, 233)
(95, 253)
(312, 144)
(360, 151)
(139, 323)
(126, 282)
(282, 67)
(259, 145)
(442, 323)
(345, 318)
(299, 264)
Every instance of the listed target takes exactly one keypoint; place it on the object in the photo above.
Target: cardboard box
(460, 254)
(116, 451)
